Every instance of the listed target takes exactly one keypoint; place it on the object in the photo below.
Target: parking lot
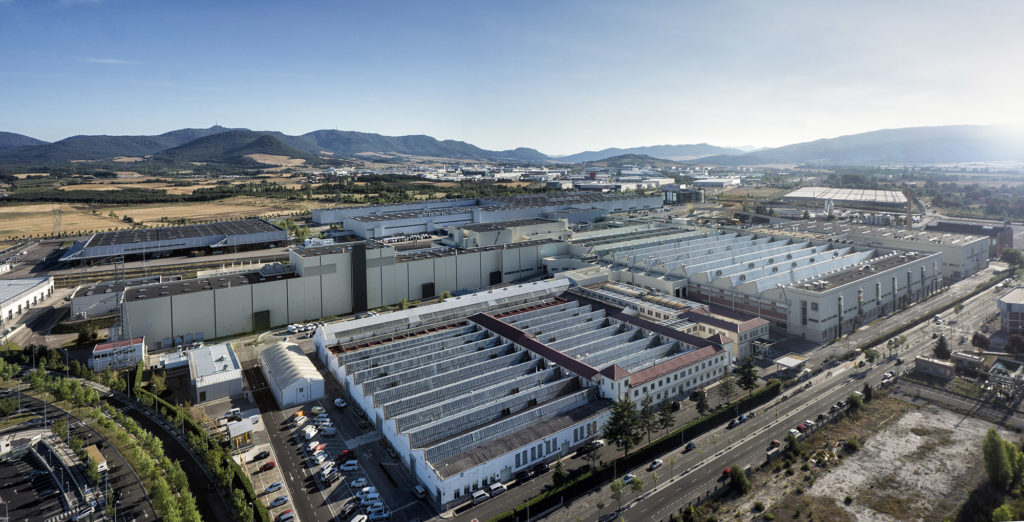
(28, 491)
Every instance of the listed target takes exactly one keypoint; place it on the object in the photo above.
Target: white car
(273, 487)
(340, 403)
(279, 501)
(358, 483)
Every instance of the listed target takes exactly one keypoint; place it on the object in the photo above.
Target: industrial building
(962, 255)
(214, 372)
(818, 290)
(246, 234)
(321, 282)
(1000, 235)
(18, 295)
(719, 183)
(474, 389)
(382, 221)
(293, 378)
(1011, 311)
(117, 355)
(504, 232)
(100, 299)
(817, 196)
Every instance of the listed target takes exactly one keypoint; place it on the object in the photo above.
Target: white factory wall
(193, 313)
(95, 305)
(233, 311)
(19, 304)
(270, 296)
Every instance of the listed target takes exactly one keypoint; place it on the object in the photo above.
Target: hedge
(588, 481)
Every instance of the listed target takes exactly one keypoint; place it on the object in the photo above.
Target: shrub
(852, 446)
(848, 500)
(759, 506)
(768, 516)
(805, 467)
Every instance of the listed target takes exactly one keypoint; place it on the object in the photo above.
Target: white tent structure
(293, 378)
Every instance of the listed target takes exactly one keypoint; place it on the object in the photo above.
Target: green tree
(959, 307)
(746, 374)
(158, 383)
(7, 406)
(868, 392)
(558, 475)
(792, 447)
(739, 481)
(1003, 513)
(980, 341)
(622, 427)
(855, 403)
(997, 460)
(941, 349)
(1012, 257)
(60, 428)
(637, 486)
(618, 487)
(92, 472)
(726, 387)
(702, 403)
(647, 418)
(666, 419)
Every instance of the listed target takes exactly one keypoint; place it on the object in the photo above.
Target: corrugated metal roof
(286, 365)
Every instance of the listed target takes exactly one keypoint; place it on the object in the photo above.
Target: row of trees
(627, 424)
(168, 483)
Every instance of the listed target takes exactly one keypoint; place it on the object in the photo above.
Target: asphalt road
(23, 483)
(133, 502)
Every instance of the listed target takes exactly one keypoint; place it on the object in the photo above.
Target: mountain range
(669, 152)
(906, 146)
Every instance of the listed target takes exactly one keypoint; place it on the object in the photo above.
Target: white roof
(13, 289)
(286, 364)
(791, 360)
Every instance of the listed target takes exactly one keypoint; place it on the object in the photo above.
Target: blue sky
(558, 76)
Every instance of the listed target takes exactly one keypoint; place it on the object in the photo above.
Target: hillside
(9, 140)
(102, 147)
(634, 159)
(231, 147)
(912, 145)
(669, 152)
(350, 143)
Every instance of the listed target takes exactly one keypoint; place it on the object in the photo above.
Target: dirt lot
(914, 464)
(18, 220)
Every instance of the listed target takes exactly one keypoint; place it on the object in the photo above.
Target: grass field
(34, 219)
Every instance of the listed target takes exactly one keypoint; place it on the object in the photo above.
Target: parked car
(340, 403)
(260, 456)
(794, 432)
(522, 476)
(358, 483)
(801, 428)
(317, 410)
(725, 473)
(775, 443)
(279, 501)
(419, 491)
(273, 487)
(541, 468)
(655, 464)
(346, 454)
(629, 478)
(380, 515)
(268, 466)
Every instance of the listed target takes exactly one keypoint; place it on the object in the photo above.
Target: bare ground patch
(914, 464)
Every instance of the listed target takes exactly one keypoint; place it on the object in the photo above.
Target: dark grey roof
(145, 235)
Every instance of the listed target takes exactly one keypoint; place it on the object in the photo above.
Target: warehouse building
(319, 282)
(818, 196)
(432, 216)
(214, 372)
(117, 355)
(18, 295)
(818, 290)
(1000, 235)
(1011, 311)
(503, 232)
(100, 299)
(246, 234)
(962, 255)
(293, 378)
(474, 389)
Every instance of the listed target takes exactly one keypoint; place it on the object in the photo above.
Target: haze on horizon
(561, 77)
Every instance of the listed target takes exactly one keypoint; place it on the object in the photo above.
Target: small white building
(118, 355)
(18, 295)
(292, 376)
(214, 372)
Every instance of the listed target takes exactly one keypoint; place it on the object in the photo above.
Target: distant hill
(669, 152)
(10, 140)
(339, 143)
(231, 147)
(350, 143)
(906, 146)
(634, 159)
(103, 147)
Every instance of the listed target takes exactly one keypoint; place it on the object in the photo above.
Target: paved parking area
(28, 491)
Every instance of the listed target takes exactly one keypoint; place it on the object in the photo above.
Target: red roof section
(742, 322)
(117, 344)
(615, 372)
(667, 367)
(719, 339)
